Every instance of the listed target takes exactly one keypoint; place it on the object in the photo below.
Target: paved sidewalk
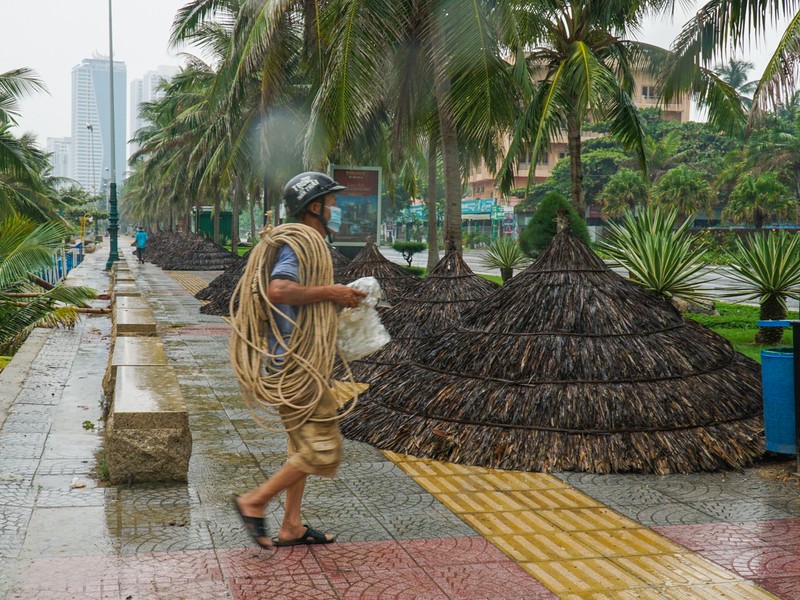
(407, 528)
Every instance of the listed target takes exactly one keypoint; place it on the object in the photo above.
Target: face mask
(335, 220)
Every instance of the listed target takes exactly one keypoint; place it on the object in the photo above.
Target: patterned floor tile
(400, 584)
(442, 552)
(787, 588)
(488, 581)
(663, 514)
(371, 556)
(760, 563)
(740, 510)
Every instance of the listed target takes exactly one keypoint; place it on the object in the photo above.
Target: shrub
(542, 227)
(409, 249)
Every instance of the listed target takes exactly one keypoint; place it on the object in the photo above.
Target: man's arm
(286, 291)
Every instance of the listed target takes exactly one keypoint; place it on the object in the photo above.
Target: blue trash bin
(777, 383)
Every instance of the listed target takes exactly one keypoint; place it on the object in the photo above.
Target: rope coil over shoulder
(293, 391)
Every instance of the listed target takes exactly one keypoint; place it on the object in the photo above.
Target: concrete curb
(13, 376)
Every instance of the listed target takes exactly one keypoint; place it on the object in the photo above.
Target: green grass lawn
(241, 249)
(737, 324)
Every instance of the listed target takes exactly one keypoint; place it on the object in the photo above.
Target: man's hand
(345, 296)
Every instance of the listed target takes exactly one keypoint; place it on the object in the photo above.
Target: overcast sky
(53, 36)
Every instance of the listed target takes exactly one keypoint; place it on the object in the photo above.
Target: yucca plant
(767, 268)
(659, 257)
(25, 249)
(505, 254)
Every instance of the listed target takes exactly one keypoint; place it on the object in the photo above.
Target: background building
(91, 121)
(60, 151)
(482, 181)
(146, 89)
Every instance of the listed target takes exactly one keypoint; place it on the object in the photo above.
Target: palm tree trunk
(237, 196)
(433, 233)
(252, 204)
(773, 308)
(217, 209)
(575, 166)
(449, 144)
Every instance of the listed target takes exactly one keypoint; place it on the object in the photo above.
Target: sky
(53, 36)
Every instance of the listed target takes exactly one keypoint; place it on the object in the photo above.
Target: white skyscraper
(60, 151)
(91, 121)
(146, 89)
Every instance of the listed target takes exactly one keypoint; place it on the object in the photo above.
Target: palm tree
(658, 256)
(684, 190)
(435, 65)
(625, 190)
(583, 66)
(734, 73)
(757, 197)
(767, 268)
(25, 248)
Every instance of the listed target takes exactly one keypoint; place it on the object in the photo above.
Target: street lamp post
(113, 219)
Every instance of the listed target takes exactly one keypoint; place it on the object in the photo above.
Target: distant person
(141, 242)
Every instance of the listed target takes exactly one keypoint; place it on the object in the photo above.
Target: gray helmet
(306, 187)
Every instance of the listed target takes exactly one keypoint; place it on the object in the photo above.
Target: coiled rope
(292, 392)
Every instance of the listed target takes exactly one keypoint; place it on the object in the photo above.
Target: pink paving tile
(762, 562)
(193, 575)
(787, 588)
(454, 551)
(401, 584)
(260, 563)
(725, 536)
(493, 581)
(288, 585)
(363, 556)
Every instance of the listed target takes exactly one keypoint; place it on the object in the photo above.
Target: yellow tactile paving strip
(578, 548)
(191, 283)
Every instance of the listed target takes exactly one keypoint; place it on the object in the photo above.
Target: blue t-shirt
(285, 267)
(141, 239)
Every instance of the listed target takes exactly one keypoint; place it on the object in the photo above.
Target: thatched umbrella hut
(395, 281)
(220, 290)
(571, 367)
(178, 251)
(436, 304)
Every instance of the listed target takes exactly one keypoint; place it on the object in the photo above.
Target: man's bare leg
(254, 503)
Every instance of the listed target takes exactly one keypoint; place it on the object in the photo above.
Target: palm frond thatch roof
(436, 304)
(178, 251)
(395, 281)
(571, 367)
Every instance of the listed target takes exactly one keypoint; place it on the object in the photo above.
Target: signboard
(360, 204)
(475, 207)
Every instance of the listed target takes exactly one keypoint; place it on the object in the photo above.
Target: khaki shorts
(316, 448)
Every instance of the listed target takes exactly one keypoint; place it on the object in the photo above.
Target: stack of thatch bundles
(395, 281)
(571, 367)
(220, 290)
(178, 251)
(436, 304)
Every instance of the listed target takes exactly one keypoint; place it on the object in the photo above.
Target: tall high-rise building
(91, 122)
(146, 89)
(60, 151)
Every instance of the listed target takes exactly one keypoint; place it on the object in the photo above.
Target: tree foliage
(542, 227)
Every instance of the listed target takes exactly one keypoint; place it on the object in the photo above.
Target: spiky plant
(659, 257)
(505, 254)
(767, 268)
(25, 249)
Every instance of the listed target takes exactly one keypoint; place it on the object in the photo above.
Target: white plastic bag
(360, 329)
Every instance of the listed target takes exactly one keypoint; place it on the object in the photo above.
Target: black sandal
(254, 526)
(310, 537)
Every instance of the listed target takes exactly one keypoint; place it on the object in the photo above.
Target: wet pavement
(407, 528)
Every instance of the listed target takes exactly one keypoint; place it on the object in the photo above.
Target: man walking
(301, 325)
(141, 242)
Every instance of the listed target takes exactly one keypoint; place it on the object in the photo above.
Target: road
(717, 280)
